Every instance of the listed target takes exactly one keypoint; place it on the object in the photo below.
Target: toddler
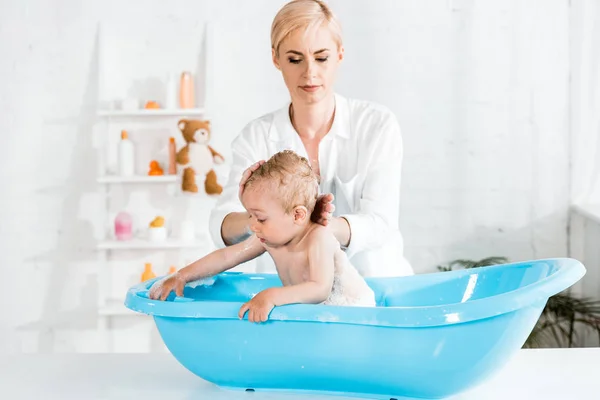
(280, 196)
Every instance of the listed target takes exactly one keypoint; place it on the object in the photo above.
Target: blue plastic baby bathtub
(431, 335)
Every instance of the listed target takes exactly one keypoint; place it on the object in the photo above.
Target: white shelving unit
(138, 179)
(111, 122)
(184, 112)
(115, 308)
(141, 244)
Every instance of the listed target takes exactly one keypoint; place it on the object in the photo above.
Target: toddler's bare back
(349, 287)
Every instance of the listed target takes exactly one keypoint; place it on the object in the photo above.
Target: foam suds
(202, 282)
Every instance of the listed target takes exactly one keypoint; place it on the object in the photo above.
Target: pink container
(123, 226)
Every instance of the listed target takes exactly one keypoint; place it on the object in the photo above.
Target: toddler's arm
(321, 252)
(212, 264)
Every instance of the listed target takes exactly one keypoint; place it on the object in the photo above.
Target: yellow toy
(157, 222)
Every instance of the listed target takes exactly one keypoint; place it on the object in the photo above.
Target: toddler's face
(268, 219)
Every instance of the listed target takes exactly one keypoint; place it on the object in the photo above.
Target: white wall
(584, 223)
(480, 89)
(585, 101)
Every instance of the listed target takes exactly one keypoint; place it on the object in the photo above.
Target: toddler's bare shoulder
(322, 234)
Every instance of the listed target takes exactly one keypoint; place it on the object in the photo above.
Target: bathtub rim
(567, 272)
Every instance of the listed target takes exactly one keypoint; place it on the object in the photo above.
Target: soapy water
(209, 281)
(157, 287)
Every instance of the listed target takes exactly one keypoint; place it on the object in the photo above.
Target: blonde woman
(355, 147)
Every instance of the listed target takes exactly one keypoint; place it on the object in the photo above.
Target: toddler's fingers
(243, 310)
(179, 290)
(264, 316)
(155, 292)
(165, 293)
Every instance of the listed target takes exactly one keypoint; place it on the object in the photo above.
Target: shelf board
(116, 308)
(140, 244)
(138, 179)
(178, 112)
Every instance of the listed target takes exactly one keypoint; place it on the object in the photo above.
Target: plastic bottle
(148, 273)
(186, 90)
(123, 226)
(172, 155)
(171, 88)
(126, 155)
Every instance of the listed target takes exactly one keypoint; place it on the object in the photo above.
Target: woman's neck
(313, 121)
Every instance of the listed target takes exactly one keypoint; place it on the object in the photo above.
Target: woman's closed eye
(299, 60)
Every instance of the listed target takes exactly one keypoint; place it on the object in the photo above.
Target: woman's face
(308, 63)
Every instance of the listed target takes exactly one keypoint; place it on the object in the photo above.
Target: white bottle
(172, 94)
(126, 156)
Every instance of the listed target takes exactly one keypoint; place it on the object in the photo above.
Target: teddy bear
(197, 157)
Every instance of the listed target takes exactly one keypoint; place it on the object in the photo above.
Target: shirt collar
(283, 130)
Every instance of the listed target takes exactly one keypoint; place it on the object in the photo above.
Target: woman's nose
(310, 68)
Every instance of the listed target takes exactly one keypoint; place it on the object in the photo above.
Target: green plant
(565, 318)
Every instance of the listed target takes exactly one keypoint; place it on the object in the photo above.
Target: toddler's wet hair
(292, 178)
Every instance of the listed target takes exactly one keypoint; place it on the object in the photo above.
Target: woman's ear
(275, 60)
(300, 215)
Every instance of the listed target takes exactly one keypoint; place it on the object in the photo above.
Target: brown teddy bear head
(195, 131)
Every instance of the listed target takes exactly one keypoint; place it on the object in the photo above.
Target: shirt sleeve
(377, 214)
(243, 155)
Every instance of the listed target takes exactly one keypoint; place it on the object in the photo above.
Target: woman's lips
(310, 88)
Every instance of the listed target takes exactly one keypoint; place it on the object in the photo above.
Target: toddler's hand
(247, 174)
(323, 209)
(258, 308)
(162, 289)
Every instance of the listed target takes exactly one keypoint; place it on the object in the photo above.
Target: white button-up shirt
(360, 164)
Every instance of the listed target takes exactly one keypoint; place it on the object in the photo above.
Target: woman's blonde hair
(303, 14)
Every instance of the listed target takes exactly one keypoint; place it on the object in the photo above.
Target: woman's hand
(246, 175)
(323, 211)
(259, 307)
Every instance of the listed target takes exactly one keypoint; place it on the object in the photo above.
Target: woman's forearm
(234, 228)
(341, 230)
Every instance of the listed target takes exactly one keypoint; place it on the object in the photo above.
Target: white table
(552, 374)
